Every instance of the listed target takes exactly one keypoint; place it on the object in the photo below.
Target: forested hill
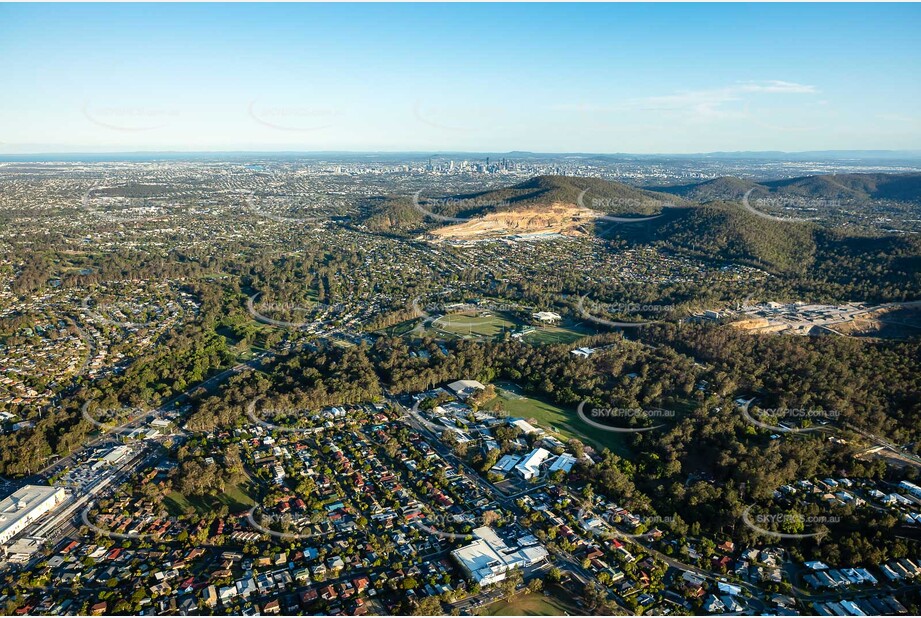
(603, 195)
(725, 230)
(841, 187)
(401, 214)
(714, 227)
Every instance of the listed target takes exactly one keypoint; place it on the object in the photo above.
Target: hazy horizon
(859, 153)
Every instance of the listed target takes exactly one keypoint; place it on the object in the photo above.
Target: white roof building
(113, 457)
(246, 587)
(911, 488)
(226, 593)
(22, 550)
(26, 505)
(465, 388)
(730, 589)
(564, 462)
(547, 316)
(525, 427)
(713, 605)
(506, 464)
(488, 559)
(529, 467)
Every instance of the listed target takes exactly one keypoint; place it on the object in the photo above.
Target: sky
(593, 78)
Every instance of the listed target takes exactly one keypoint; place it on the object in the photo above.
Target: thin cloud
(712, 102)
(702, 104)
(779, 87)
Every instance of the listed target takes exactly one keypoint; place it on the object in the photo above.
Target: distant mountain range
(55, 152)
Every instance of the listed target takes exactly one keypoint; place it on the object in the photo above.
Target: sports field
(529, 604)
(474, 324)
(560, 420)
(557, 334)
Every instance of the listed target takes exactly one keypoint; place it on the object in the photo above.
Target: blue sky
(549, 78)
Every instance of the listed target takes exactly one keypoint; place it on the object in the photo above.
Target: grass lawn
(529, 604)
(556, 334)
(474, 324)
(399, 329)
(248, 352)
(236, 497)
(560, 420)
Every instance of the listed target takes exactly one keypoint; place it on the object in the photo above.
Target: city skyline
(498, 78)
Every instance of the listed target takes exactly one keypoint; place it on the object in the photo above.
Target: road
(898, 452)
(563, 559)
(50, 470)
(415, 420)
(67, 517)
(65, 520)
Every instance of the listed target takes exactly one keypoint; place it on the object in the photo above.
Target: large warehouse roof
(22, 502)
